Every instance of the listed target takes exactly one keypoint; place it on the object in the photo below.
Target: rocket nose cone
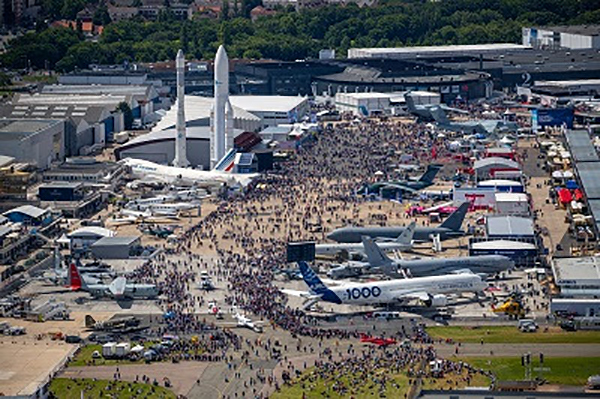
(221, 54)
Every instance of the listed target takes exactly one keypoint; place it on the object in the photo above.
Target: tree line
(291, 35)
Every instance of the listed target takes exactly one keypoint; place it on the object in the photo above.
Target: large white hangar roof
(399, 52)
(195, 133)
(196, 108)
(199, 132)
(267, 103)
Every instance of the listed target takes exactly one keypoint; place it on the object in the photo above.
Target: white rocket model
(180, 160)
(222, 126)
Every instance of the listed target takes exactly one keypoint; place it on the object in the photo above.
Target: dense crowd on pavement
(249, 232)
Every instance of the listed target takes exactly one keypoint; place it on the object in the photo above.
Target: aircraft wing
(462, 271)
(437, 207)
(458, 111)
(401, 187)
(331, 282)
(412, 295)
(301, 294)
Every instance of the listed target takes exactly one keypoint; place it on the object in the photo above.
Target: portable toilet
(109, 349)
(122, 349)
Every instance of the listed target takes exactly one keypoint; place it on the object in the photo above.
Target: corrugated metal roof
(491, 161)
(5, 160)
(575, 270)
(4, 230)
(581, 147)
(503, 244)
(61, 184)
(92, 231)
(197, 132)
(134, 90)
(510, 226)
(589, 174)
(29, 210)
(267, 103)
(26, 126)
(58, 99)
(116, 240)
(196, 108)
(511, 197)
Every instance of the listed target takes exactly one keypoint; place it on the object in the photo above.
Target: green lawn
(319, 388)
(448, 381)
(563, 370)
(65, 388)
(511, 335)
(40, 79)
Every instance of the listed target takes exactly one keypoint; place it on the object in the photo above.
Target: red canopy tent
(565, 196)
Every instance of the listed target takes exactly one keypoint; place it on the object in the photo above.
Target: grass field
(511, 335)
(65, 388)
(40, 79)
(449, 381)
(319, 388)
(563, 370)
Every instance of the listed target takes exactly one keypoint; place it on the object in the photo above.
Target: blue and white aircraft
(430, 291)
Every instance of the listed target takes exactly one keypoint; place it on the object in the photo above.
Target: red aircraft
(379, 341)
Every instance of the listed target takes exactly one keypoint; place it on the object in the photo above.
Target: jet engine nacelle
(436, 301)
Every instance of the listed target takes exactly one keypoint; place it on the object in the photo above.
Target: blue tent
(572, 185)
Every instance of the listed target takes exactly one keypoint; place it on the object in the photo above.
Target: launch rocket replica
(180, 160)
(222, 129)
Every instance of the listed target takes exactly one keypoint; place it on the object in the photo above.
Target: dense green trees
(290, 35)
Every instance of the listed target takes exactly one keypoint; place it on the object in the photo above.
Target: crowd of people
(242, 243)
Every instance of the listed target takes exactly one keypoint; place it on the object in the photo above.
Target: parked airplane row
(429, 280)
(449, 228)
(378, 262)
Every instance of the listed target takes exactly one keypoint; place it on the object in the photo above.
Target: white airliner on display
(146, 170)
(404, 242)
(430, 291)
(141, 204)
(132, 217)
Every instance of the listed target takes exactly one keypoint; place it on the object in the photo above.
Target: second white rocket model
(222, 126)
(180, 160)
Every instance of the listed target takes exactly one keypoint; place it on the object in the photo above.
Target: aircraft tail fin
(226, 163)
(430, 173)
(117, 287)
(375, 255)
(455, 220)
(57, 261)
(311, 279)
(76, 282)
(439, 115)
(89, 321)
(407, 235)
(410, 102)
